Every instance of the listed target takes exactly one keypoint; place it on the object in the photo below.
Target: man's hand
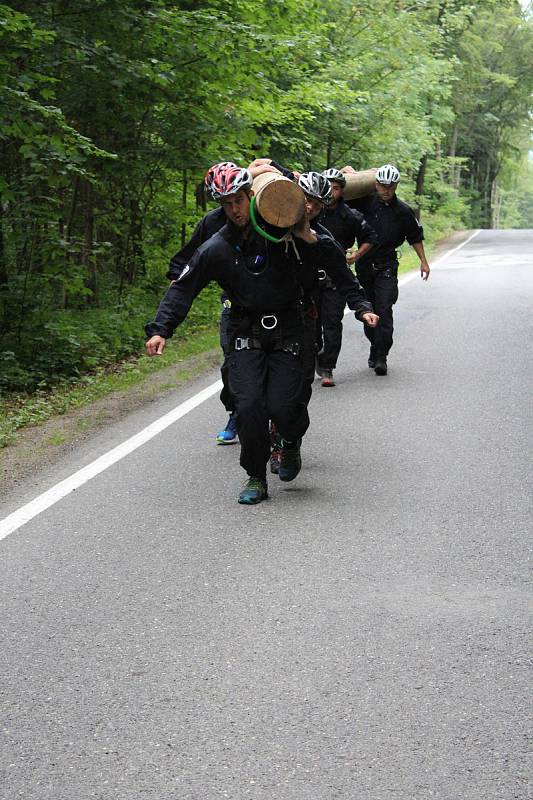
(155, 345)
(347, 169)
(370, 319)
(258, 162)
(261, 168)
(350, 258)
(418, 247)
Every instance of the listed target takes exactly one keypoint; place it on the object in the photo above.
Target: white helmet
(336, 175)
(387, 174)
(316, 185)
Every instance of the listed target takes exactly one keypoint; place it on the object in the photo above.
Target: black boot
(381, 365)
(291, 461)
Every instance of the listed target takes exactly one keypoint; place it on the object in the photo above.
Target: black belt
(251, 343)
(266, 331)
(390, 262)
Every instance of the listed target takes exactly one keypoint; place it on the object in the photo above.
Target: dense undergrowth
(57, 347)
(111, 370)
(110, 113)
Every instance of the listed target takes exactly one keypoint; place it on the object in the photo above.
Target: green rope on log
(258, 228)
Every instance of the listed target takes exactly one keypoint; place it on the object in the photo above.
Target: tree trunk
(184, 207)
(73, 206)
(28, 252)
(329, 150)
(87, 259)
(497, 202)
(420, 180)
(135, 263)
(4, 278)
(487, 196)
(455, 170)
(200, 196)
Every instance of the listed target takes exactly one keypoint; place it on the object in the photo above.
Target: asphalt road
(363, 634)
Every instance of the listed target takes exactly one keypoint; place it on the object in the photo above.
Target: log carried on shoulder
(279, 200)
(359, 184)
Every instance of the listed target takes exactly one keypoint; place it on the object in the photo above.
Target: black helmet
(316, 185)
(336, 175)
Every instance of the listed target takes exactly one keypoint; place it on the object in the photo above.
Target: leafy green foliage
(110, 113)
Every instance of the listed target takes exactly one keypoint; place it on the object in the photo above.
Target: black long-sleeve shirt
(340, 274)
(347, 225)
(209, 225)
(394, 223)
(257, 275)
(287, 173)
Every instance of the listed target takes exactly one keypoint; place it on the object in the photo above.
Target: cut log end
(279, 201)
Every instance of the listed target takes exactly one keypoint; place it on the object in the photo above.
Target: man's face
(386, 193)
(337, 191)
(237, 208)
(313, 207)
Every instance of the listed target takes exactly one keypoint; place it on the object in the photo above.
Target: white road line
(27, 512)
(60, 490)
(411, 275)
(438, 262)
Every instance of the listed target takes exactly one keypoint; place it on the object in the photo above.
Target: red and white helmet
(214, 170)
(387, 174)
(228, 179)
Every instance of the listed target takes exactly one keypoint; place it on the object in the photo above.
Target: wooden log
(359, 184)
(279, 200)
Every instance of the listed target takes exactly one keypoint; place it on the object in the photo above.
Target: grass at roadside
(20, 410)
(409, 259)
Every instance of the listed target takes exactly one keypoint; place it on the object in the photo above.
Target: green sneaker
(254, 491)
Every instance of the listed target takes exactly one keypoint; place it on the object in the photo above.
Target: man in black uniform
(265, 327)
(394, 222)
(318, 194)
(209, 225)
(317, 190)
(346, 225)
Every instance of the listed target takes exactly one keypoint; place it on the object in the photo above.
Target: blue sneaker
(254, 491)
(229, 434)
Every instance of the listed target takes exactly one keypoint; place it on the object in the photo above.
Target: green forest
(111, 112)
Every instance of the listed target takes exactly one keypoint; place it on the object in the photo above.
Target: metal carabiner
(269, 316)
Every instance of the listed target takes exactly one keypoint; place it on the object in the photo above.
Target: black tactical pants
(381, 288)
(331, 304)
(225, 343)
(266, 384)
(308, 353)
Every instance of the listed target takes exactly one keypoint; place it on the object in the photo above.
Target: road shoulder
(38, 447)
